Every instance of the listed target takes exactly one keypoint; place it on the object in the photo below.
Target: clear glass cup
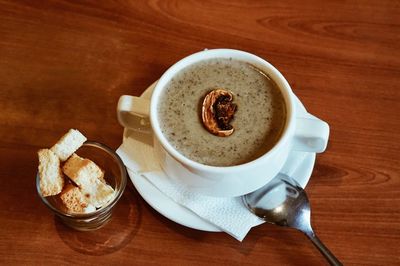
(114, 174)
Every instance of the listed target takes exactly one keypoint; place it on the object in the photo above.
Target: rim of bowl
(240, 55)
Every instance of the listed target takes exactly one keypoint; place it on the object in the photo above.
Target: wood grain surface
(64, 64)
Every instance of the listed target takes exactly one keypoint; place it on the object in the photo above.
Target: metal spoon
(284, 202)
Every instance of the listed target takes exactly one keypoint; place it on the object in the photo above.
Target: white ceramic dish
(305, 134)
(186, 217)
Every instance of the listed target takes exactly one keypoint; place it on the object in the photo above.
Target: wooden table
(64, 64)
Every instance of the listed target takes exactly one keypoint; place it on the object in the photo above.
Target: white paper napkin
(228, 214)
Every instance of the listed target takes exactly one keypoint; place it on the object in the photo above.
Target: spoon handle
(323, 249)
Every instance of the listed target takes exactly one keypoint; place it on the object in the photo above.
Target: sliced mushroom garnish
(217, 112)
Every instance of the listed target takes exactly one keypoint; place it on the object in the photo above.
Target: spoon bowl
(285, 203)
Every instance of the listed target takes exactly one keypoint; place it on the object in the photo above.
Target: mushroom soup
(257, 123)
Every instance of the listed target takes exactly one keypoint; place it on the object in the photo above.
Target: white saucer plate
(181, 215)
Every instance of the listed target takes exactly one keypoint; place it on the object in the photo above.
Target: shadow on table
(113, 236)
(288, 244)
(187, 232)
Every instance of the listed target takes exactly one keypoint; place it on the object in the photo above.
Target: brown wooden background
(64, 64)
